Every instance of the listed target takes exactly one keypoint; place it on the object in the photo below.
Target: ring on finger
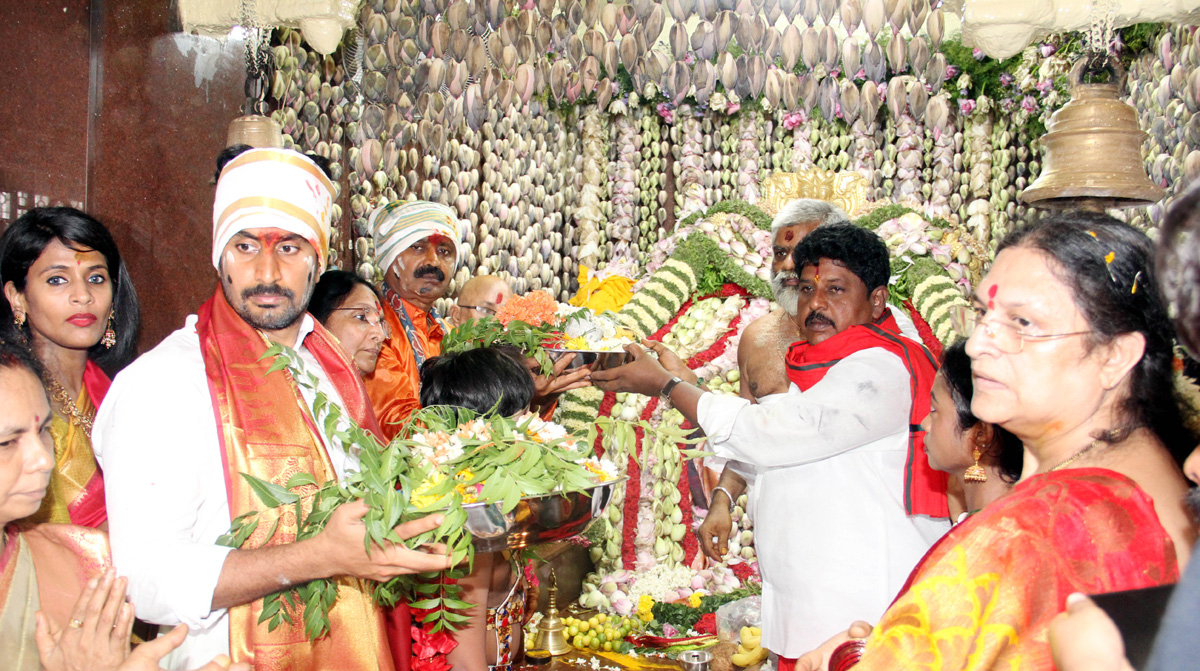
(75, 623)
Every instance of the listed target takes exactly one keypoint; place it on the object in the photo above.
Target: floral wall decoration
(636, 137)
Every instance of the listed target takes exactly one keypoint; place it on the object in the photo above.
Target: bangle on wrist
(669, 386)
(727, 495)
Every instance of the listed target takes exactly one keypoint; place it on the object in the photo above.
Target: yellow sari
(76, 491)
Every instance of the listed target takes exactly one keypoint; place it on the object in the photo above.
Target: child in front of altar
(480, 380)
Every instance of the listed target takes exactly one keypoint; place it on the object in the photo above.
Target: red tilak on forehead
(499, 297)
(272, 238)
(437, 237)
(991, 295)
(788, 235)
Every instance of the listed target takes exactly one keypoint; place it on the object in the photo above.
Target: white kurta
(156, 440)
(833, 539)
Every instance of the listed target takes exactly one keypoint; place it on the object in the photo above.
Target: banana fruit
(749, 650)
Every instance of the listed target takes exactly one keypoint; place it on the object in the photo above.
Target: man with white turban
(183, 422)
(417, 245)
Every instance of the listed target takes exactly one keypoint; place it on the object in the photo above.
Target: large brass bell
(1093, 150)
(255, 130)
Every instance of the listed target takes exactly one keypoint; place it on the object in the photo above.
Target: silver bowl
(537, 519)
(598, 360)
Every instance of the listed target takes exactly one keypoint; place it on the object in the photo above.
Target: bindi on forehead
(499, 297)
(992, 296)
(789, 235)
(437, 238)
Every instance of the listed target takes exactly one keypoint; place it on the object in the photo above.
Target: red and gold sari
(43, 568)
(984, 595)
(266, 431)
(76, 491)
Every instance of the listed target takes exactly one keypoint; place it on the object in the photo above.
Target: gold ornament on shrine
(847, 190)
(1093, 149)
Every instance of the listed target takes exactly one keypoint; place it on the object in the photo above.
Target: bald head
(479, 297)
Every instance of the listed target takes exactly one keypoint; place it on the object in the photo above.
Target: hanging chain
(258, 51)
(1098, 38)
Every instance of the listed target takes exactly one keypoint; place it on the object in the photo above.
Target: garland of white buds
(690, 163)
(622, 229)
(978, 150)
(999, 197)
(802, 149)
(652, 168)
(590, 213)
(938, 124)
(910, 140)
(748, 130)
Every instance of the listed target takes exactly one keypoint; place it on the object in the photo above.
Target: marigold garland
(535, 308)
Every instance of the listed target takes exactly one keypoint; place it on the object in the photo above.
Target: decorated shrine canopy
(569, 134)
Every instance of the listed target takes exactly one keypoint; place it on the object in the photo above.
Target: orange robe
(395, 386)
(984, 595)
(43, 568)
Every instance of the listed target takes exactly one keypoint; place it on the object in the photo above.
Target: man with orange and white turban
(182, 424)
(417, 244)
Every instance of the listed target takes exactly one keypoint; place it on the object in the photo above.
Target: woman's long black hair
(25, 240)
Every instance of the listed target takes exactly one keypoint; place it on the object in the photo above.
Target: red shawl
(924, 488)
(265, 431)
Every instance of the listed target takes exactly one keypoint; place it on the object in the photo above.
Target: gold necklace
(1075, 456)
(73, 414)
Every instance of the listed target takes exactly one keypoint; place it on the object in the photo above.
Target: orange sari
(266, 431)
(76, 491)
(984, 595)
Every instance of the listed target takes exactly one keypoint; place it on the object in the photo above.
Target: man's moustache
(815, 318)
(429, 271)
(268, 290)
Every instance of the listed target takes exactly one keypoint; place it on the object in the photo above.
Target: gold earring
(975, 472)
(110, 336)
(19, 319)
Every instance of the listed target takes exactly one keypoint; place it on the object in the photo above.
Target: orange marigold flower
(535, 308)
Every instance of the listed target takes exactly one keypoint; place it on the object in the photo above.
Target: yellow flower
(610, 294)
(694, 599)
(645, 617)
(645, 604)
(420, 496)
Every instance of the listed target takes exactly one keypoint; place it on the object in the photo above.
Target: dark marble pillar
(163, 106)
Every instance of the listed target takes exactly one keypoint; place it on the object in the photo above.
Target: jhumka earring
(110, 336)
(975, 472)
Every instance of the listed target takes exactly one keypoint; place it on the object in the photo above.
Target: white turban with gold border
(273, 188)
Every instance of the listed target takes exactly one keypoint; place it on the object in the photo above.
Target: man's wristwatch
(666, 390)
(727, 495)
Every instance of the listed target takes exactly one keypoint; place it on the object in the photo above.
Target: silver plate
(537, 519)
(597, 359)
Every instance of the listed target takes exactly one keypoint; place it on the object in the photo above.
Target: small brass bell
(255, 130)
(550, 636)
(1093, 150)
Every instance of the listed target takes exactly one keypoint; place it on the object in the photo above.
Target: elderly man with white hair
(761, 363)
(183, 422)
(417, 244)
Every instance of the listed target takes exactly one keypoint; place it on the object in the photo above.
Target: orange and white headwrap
(273, 188)
(398, 224)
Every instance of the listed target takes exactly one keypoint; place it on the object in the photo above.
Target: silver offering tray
(537, 519)
(599, 360)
